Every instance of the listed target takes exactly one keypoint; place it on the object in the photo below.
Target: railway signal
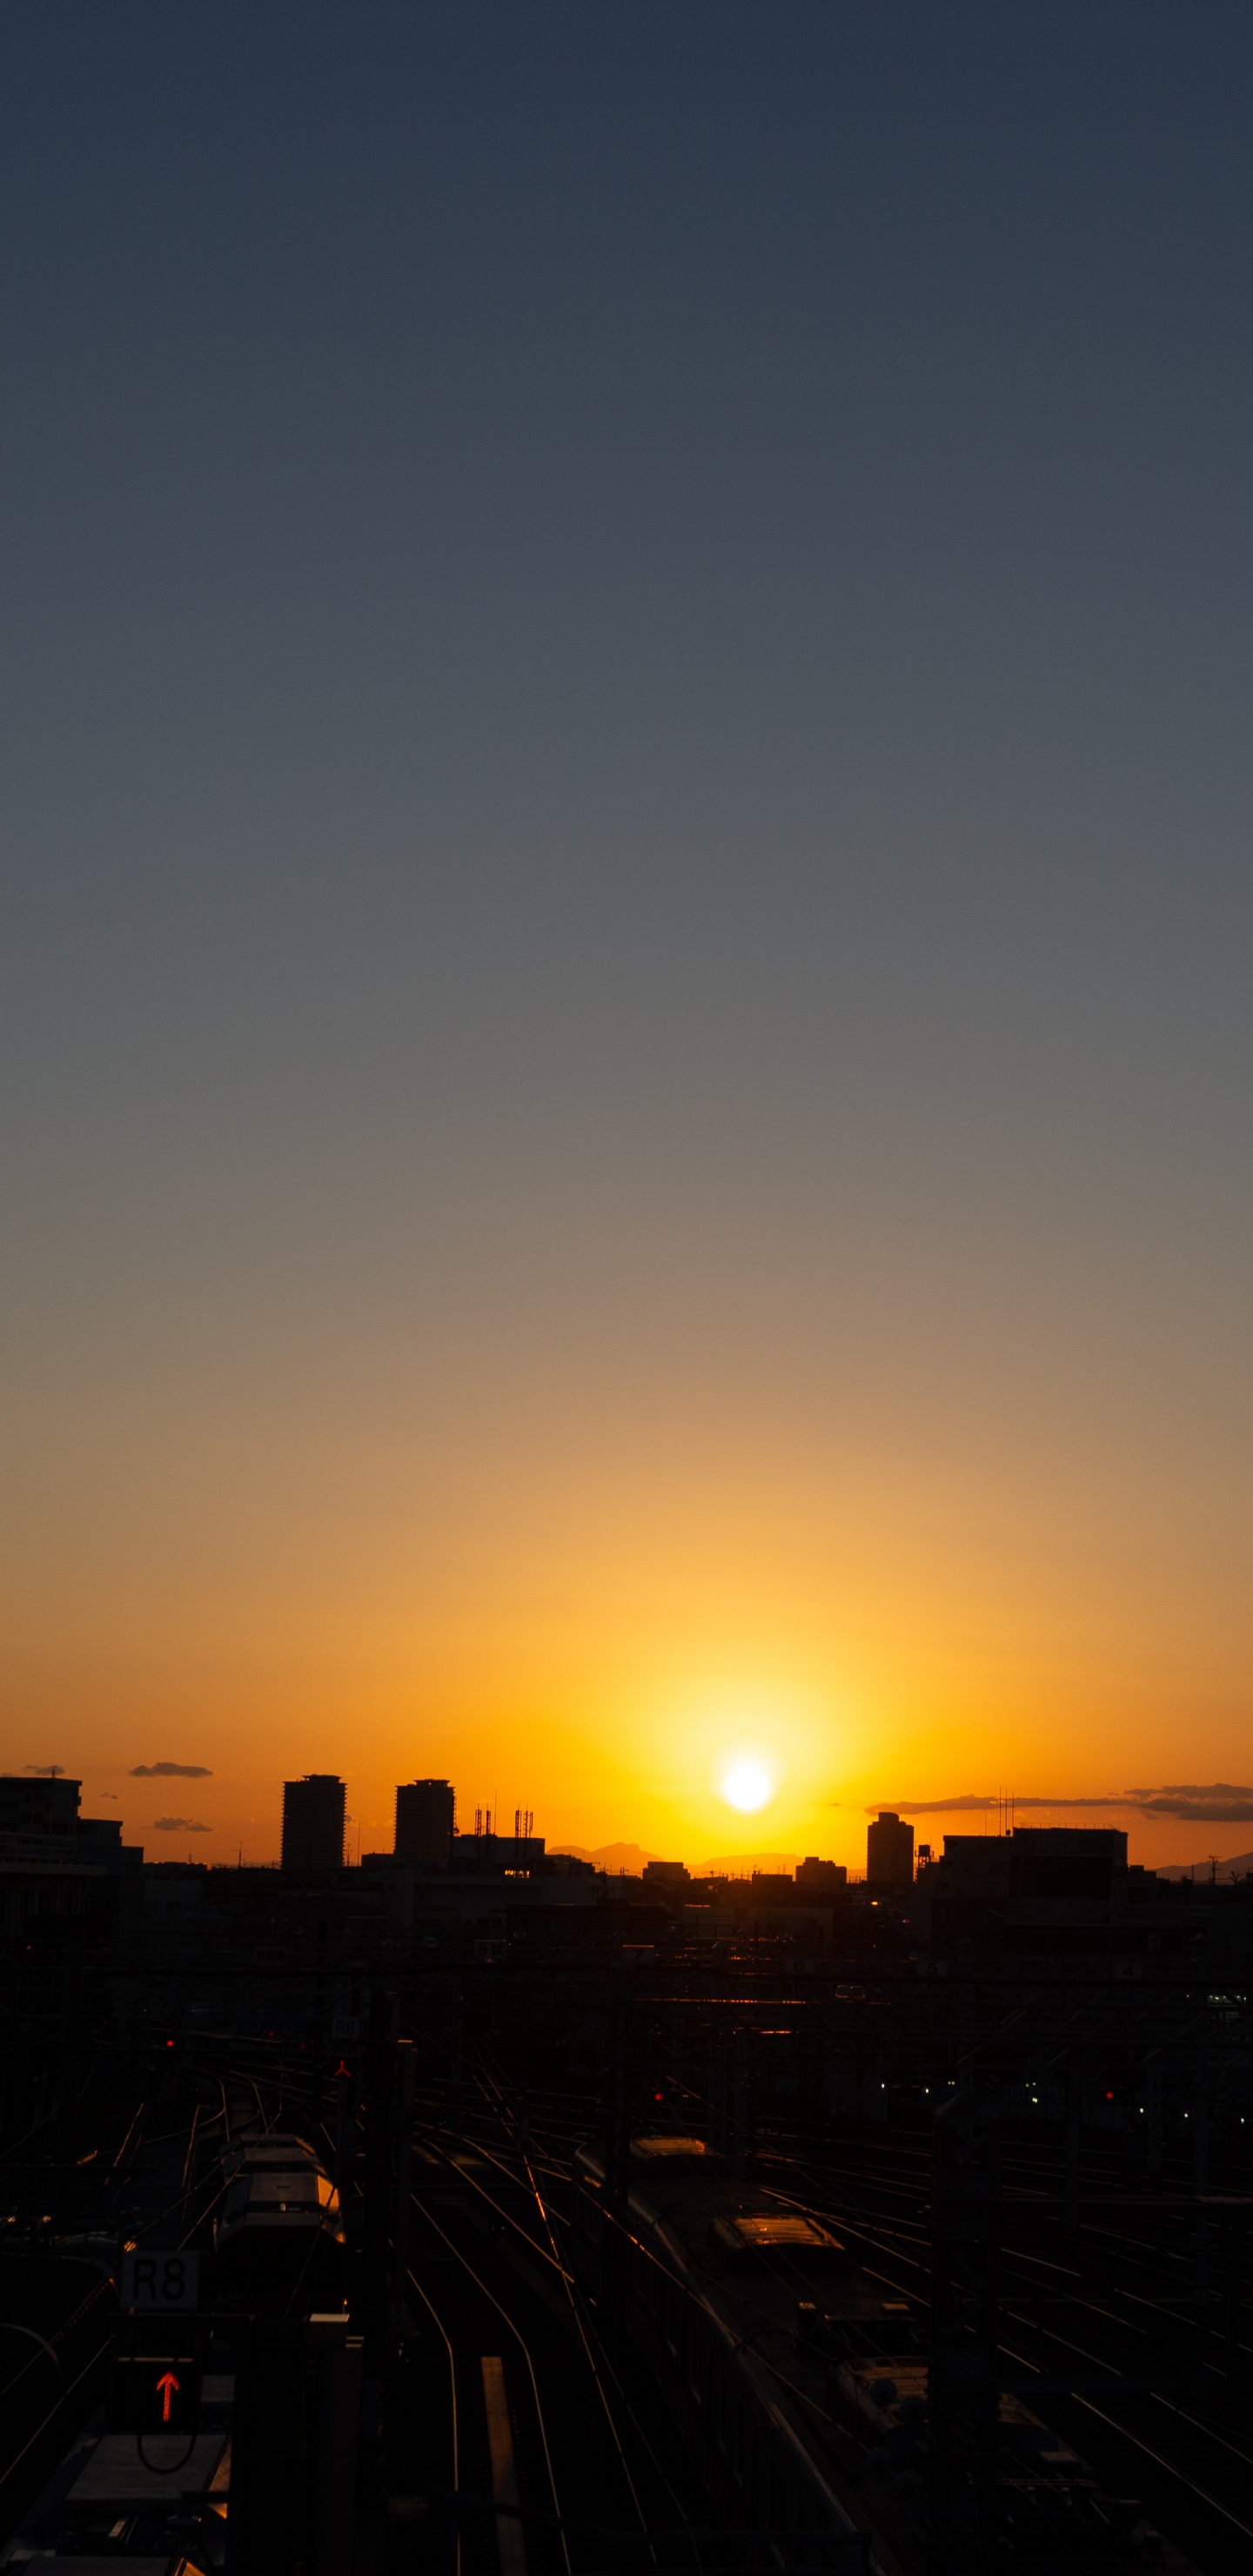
(153, 2392)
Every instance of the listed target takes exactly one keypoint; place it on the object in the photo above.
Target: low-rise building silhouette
(821, 1877)
(1041, 1886)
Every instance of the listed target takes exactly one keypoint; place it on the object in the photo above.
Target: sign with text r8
(160, 2280)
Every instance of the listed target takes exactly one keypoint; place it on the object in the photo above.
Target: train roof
(826, 2341)
(278, 2148)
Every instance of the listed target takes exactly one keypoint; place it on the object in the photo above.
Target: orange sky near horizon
(625, 997)
(599, 1641)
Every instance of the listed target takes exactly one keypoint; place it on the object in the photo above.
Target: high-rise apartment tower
(425, 1810)
(890, 1852)
(313, 1822)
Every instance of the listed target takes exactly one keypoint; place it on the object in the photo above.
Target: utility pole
(963, 2372)
(1153, 2114)
(719, 2082)
(1200, 2180)
(402, 2164)
(69, 2045)
(319, 2020)
(613, 2218)
(377, 2212)
(1074, 2116)
(740, 2098)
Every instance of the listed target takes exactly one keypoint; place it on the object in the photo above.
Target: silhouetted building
(1041, 1886)
(821, 1877)
(425, 1813)
(487, 1855)
(37, 1806)
(889, 1851)
(313, 1822)
(39, 1821)
(56, 1864)
(666, 1873)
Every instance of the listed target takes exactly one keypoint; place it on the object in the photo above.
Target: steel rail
(514, 2330)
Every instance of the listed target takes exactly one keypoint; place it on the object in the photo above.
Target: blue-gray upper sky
(626, 749)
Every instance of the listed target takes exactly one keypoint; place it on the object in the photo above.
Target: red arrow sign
(168, 2384)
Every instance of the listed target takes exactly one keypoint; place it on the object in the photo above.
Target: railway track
(1187, 2453)
(1113, 2299)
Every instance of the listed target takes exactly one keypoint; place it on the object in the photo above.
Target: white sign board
(160, 2279)
(345, 2026)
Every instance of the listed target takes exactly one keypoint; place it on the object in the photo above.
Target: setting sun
(747, 1786)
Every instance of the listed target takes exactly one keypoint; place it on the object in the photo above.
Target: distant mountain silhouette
(629, 1859)
(616, 1858)
(1238, 1867)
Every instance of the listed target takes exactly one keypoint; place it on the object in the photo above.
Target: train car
(710, 2277)
(279, 2233)
(799, 2382)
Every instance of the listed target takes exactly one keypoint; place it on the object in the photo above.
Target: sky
(625, 955)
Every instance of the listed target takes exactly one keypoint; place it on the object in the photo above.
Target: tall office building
(425, 1810)
(313, 1822)
(890, 1852)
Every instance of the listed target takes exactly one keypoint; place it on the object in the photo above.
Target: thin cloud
(969, 1805)
(46, 1770)
(1216, 1806)
(179, 1825)
(170, 1771)
(931, 1806)
(1222, 1802)
(1193, 1789)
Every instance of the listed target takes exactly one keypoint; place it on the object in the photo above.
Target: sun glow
(747, 1786)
